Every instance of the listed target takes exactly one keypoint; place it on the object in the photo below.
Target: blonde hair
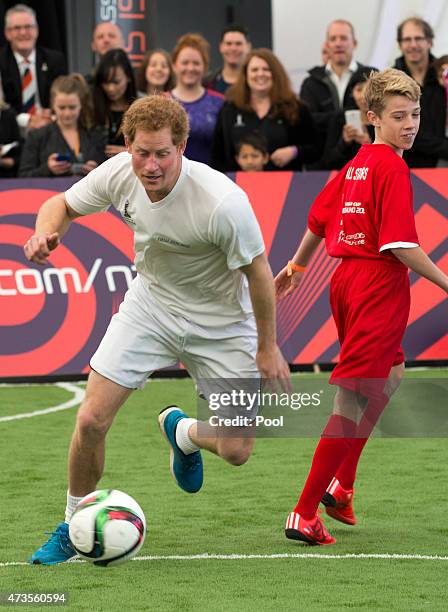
(154, 113)
(389, 82)
(193, 41)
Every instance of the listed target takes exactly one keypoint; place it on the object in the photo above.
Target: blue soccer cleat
(186, 469)
(56, 550)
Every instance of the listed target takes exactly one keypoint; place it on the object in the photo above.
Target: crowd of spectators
(262, 101)
(244, 116)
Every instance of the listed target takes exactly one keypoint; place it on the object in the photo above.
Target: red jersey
(368, 207)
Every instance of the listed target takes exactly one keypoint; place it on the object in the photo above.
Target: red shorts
(370, 301)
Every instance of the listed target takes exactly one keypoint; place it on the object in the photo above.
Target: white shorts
(143, 337)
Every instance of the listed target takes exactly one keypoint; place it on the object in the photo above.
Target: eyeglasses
(17, 28)
(410, 39)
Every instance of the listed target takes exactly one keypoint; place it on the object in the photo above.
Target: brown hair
(284, 101)
(154, 113)
(75, 84)
(193, 41)
(343, 22)
(439, 62)
(140, 77)
(420, 23)
(389, 82)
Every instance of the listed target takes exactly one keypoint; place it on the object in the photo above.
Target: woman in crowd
(9, 141)
(344, 139)
(68, 145)
(262, 101)
(113, 93)
(155, 74)
(191, 61)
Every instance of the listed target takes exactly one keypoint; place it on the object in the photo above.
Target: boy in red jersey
(366, 216)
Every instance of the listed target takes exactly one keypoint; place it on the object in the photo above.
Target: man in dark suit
(27, 71)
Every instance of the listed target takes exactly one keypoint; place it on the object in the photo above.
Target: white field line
(76, 399)
(238, 557)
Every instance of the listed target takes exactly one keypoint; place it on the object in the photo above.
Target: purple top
(202, 114)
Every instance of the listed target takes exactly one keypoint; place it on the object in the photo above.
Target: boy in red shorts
(366, 216)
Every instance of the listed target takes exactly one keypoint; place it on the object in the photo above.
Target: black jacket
(431, 144)
(321, 96)
(41, 143)
(9, 132)
(49, 65)
(337, 152)
(233, 123)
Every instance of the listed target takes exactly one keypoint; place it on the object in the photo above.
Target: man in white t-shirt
(203, 295)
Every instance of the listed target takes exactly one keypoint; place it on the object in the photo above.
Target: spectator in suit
(234, 47)
(415, 38)
(155, 74)
(329, 88)
(28, 71)
(113, 93)
(69, 145)
(263, 101)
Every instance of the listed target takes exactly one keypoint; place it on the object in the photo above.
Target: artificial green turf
(401, 502)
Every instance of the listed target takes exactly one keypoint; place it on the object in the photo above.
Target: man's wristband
(293, 267)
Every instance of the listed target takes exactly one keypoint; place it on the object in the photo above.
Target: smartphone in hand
(353, 117)
(62, 157)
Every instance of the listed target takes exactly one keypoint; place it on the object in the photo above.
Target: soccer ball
(108, 527)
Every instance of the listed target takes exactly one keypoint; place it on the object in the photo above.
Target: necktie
(28, 90)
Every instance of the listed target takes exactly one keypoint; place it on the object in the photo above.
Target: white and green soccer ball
(108, 527)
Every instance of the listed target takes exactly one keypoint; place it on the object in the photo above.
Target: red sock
(346, 473)
(372, 412)
(329, 454)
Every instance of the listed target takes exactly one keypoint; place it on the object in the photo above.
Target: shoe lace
(319, 527)
(193, 462)
(60, 537)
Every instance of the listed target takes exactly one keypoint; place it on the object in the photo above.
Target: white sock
(72, 502)
(183, 440)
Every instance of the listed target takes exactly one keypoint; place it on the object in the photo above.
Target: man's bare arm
(53, 220)
(270, 361)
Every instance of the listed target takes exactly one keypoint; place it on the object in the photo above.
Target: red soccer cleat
(338, 503)
(311, 532)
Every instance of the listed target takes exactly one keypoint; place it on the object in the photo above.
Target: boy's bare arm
(285, 284)
(307, 246)
(417, 260)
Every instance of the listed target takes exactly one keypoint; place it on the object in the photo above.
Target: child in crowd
(252, 153)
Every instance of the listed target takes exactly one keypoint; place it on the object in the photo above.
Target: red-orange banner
(52, 318)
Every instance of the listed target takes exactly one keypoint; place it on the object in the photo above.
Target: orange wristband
(292, 267)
